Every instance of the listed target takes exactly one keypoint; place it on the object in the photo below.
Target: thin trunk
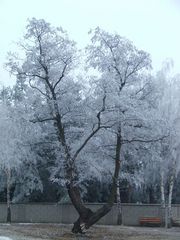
(171, 185)
(119, 205)
(163, 201)
(8, 174)
(163, 204)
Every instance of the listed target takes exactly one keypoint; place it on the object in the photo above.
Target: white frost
(5, 238)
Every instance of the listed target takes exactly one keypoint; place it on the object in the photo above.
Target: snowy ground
(5, 238)
(63, 232)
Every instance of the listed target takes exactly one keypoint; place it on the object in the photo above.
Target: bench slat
(150, 220)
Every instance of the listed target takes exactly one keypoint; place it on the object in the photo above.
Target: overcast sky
(153, 25)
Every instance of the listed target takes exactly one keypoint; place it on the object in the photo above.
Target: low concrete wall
(3, 212)
(65, 213)
(131, 214)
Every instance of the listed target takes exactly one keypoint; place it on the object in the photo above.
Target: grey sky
(153, 25)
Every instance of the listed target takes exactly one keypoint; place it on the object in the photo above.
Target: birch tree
(170, 107)
(165, 158)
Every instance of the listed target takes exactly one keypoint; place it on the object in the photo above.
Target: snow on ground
(5, 238)
(63, 232)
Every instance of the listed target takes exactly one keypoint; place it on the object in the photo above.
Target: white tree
(169, 108)
(15, 147)
(127, 85)
(79, 120)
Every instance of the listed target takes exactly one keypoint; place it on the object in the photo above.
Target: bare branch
(94, 131)
(42, 65)
(31, 75)
(38, 143)
(126, 70)
(122, 81)
(39, 40)
(61, 77)
(144, 140)
(136, 68)
(34, 87)
(141, 88)
(35, 75)
(102, 110)
(42, 119)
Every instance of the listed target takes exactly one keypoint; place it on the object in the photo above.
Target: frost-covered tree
(14, 147)
(162, 165)
(169, 155)
(49, 59)
(17, 154)
(126, 84)
(76, 120)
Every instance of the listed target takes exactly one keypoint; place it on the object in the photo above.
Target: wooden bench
(176, 222)
(150, 221)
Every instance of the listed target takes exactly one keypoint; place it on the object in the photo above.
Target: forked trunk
(86, 216)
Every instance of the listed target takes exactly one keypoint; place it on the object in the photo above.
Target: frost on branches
(15, 147)
(89, 127)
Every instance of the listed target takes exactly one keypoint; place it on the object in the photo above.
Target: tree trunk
(163, 201)
(86, 216)
(119, 205)
(171, 185)
(8, 174)
(163, 204)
